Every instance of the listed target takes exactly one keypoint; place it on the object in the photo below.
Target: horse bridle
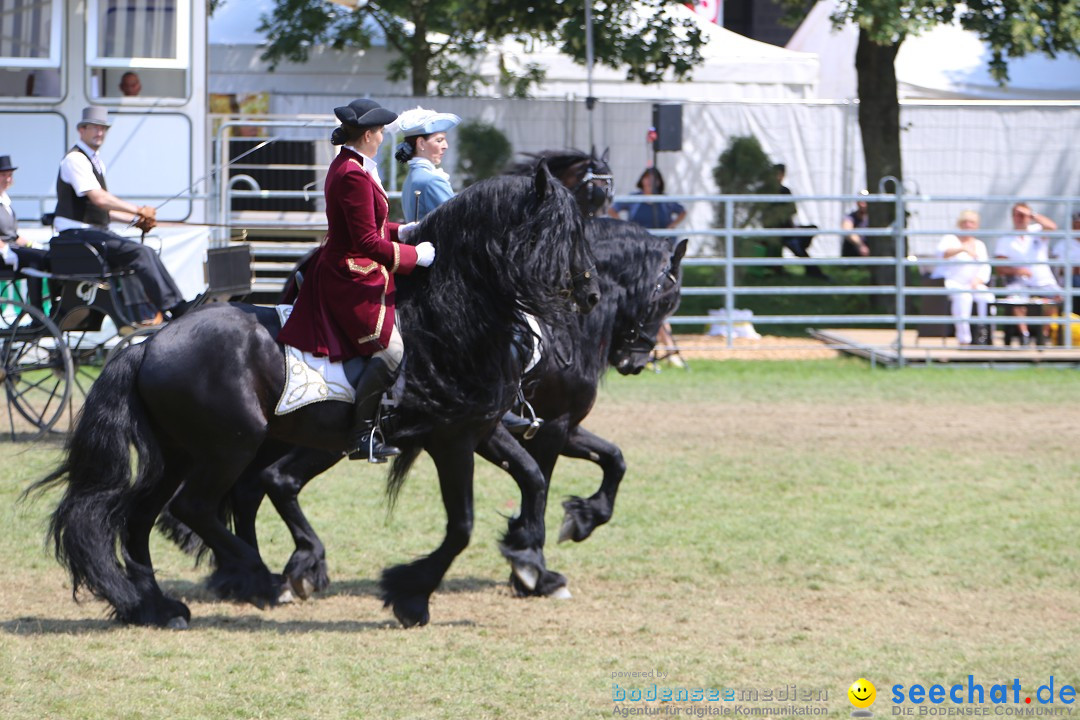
(590, 176)
(636, 339)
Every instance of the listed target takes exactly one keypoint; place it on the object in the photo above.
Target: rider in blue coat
(427, 186)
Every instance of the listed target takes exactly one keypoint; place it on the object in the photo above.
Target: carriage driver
(345, 308)
(84, 207)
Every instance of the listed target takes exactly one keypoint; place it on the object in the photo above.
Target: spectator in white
(960, 273)
(1030, 275)
(1069, 249)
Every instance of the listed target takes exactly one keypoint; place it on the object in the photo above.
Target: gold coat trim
(382, 310)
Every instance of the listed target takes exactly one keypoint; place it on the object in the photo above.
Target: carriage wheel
(36, 369)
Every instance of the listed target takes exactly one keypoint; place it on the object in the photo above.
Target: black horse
(587, 176)
(640, 279)
(197, 403)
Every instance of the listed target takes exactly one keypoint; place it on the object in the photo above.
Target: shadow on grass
(188, 591)
(29, 626)
(259, 620)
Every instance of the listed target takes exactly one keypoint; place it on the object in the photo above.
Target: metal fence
(910, 250)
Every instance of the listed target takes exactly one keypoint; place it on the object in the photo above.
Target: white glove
(404, 231)
(425, 254)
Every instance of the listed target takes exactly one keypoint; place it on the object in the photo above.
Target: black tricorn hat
(364, 112)
(5, 163)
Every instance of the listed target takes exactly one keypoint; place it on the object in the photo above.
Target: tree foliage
(745, 169)
(483, 151)
(437, 41)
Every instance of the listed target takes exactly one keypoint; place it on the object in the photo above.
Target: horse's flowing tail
(92, 515)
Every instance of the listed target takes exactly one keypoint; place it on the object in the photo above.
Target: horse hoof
(412, 612)
(286, 597)
(566, 532)
(562, 593)
(527, 574)
(177, 623)
(303, 587)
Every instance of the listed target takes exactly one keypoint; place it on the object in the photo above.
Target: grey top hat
(5, 163)
(95, 116)
(364, 112)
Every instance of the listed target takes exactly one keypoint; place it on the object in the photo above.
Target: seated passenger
(14, 251)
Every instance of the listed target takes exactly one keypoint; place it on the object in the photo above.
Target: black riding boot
(373, 383)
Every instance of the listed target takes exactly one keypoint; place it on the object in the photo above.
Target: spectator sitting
(855, 244)
(970, 279)
(1029, 251)
(785, 219)
(1069, 249)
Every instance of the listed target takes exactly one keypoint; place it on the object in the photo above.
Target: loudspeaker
(667, 119)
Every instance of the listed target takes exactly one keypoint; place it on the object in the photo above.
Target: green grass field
(780, 524)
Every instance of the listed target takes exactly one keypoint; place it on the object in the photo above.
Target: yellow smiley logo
(862, 693)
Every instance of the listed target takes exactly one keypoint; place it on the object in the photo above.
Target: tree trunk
(420, 54)
(879, 123)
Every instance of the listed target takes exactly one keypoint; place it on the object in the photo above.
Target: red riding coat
(346, 304)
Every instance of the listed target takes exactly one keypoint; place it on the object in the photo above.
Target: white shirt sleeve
(76, 170)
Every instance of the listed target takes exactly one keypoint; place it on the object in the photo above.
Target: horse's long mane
(502, 248)
(629, 260)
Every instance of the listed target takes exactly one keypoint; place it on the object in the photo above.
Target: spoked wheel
(88, 352)
(35, 367)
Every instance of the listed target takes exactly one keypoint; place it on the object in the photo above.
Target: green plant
(745, 169)
(483, 151)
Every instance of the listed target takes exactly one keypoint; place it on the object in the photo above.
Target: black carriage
(46, 360)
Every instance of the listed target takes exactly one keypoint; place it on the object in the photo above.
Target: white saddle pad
(537, 343)
(309, 378)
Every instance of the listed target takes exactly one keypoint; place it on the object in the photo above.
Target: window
(30, 33)
(139, 33)
(30, 45)
(150, 39)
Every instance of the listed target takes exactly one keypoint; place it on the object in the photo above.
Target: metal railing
(901, 261)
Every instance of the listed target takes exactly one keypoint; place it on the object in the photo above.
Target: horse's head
(583, 286)
(587, 176)
(592, 183)
(630, 351)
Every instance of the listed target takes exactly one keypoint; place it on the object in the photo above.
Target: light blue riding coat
(432, 184)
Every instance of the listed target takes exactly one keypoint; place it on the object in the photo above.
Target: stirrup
(534, 421)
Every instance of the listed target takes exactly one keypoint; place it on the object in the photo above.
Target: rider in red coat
(345, 307)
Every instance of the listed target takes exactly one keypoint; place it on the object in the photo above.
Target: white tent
(735, 67)
(946, 62)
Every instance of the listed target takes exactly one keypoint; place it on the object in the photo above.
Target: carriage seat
(81, 261)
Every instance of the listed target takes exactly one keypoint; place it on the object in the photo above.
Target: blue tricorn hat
(421, 121)
(364, 112)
